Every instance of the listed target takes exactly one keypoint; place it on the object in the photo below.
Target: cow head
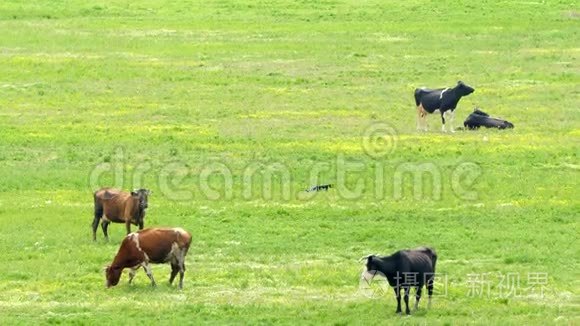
(507, 124)
(112, 275)
(142, 196)
(370, 268)
(463, 89)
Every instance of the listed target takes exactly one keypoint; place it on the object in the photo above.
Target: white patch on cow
(132, 272)
(451, 119)
(135, 237)
(174, 254)
(146, 267)
(179, 230)
(441, 95)
(447, 115)
(149, 272)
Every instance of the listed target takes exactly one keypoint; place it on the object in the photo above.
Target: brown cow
(112, 205)
(157, 246)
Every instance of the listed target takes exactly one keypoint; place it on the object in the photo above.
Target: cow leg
(443, 114)
(149, 273)
(174, 270)
(132, 273)
(97, 218)
(181, 274)
(141, 225)
(430, 290)
(423, 117)
(419, 116)
(95, 227)
(128, 225)
(407, 290)
(398, 296)
(418, 296)
(105, 226)
(181, 265)
(451, 119)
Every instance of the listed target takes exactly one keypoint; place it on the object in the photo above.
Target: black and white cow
(404, 269)
(481, 119)
(443, 99)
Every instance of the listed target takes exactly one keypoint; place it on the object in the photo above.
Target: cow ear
(133, 193)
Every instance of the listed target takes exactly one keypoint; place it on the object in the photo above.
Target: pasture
(228, 110)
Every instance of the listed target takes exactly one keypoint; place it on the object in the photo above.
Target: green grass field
(203, 101)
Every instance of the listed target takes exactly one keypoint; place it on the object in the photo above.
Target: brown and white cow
(150, 246)
(112, 205)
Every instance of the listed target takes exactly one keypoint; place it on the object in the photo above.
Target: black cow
(481, 119)
(404, 269)
(443, 99)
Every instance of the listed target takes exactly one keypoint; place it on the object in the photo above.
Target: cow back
(158, 243)
(430, 99)
(419, 260)
(115, 203)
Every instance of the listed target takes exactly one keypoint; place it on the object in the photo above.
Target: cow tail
(433, 258)
(98, 207)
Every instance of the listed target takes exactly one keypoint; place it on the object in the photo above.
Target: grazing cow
(481, 119)
(112, 205)
(443, 99)
(156, 246)
(404, 269)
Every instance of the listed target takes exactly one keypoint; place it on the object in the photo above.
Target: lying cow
(404, 269)
(112, 205)
(156, 246)
(443, 99)
(479, 119)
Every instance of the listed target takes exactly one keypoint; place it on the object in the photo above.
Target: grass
(162, 94)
